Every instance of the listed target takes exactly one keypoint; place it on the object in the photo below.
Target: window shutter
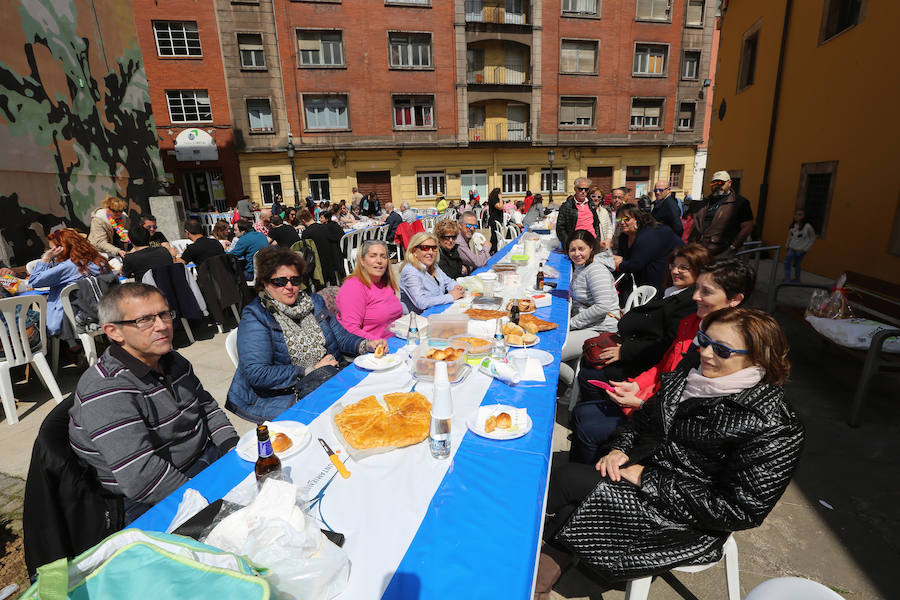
(584, 110)
(637, 110)
(652, 111)
(644, 9)
(695, 12)
(309, 41)
(567, 63)
(567, 113)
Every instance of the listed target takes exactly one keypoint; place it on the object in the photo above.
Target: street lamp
(290, 153)
(551, 156)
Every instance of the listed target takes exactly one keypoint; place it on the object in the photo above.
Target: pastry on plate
(401, 420)
(485, 315)
(541, 325)
(281, 442)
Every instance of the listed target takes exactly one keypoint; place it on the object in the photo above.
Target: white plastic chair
(500, 230)
(17, 351)
(639, 589)
(87, 338)
(231, 346)
(180, 245)
(29, 266)
(791, 588)
(6, 253)
(639, 296)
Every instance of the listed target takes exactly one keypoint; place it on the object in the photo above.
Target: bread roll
(529, 338)
(379, 351)
(504, 421)
(490, 424)
(514, 339)
(530, 327)
(281, 442)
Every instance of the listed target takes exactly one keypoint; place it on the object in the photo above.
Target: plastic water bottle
(498, 348)
(441, 413)
(412, 334)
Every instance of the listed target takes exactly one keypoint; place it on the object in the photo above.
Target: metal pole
(290, 153)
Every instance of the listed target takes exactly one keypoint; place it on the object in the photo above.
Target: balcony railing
(508, 131)
(477, 13)
(498, 76)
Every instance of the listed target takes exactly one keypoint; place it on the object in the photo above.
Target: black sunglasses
(448, 237)
(582, 189)
(280, 282)
(721, 350)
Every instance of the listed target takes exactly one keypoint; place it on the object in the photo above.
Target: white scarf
(698, 386)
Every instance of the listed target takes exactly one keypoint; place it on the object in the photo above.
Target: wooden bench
(871, 298)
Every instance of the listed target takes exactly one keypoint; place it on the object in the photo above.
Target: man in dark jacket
(392, 220)
(578, 213)
(327, 247)
(201, 247)
(724, 219)
(665, 208)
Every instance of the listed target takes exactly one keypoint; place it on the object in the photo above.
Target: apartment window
(515, 181)
(653, 10)
(650, 59)
(250, 46)
(410, 2)
(581, 7)
(189, 106)
(557, 179)
(326, 112)
(646, 113)
(269, 187)
(260, 113)
(177, 38)
(838, 16)
(319, 187)
(578, 56)
(412, 112)
(691, 65)
(410, 50)
(747, 69)
(694, 16)
(686, 115)
(816, 189)
(321, 48)
(429, 183)
(576, 112)
(675, 175)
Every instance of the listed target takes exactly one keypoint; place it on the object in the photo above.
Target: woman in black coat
(710, 454)
(643, 248)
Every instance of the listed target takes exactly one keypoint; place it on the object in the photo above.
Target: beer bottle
(539, 280)
(514, 312)
(267, 465)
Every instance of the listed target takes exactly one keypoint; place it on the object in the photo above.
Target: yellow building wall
(404, 164)
(834, 101)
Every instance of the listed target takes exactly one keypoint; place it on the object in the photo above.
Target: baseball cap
(721, 176)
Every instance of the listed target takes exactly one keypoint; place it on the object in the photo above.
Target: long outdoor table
(480, 535)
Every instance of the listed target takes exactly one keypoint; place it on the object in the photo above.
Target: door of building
(473, 178)
(638, 181)
(375, 181)
(601, 177)
(198, 188)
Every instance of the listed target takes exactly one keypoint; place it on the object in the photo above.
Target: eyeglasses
(428, 248)
(581, 189)
(624, 219)
(721, 350)
(147, 321)
(446, 237)
(677, 267)
(280, 282)
(471, 225)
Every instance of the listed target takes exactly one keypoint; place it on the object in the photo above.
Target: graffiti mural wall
(75, 118)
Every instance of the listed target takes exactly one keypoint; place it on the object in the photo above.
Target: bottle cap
(442, 403)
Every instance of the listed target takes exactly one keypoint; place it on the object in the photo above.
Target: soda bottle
(267, 465)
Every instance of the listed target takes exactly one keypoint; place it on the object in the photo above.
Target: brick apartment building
(413, 97)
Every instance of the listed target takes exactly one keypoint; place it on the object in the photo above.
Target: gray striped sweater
(140, 429)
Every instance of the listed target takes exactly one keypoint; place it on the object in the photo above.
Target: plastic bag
(854, 333)
(273, 532)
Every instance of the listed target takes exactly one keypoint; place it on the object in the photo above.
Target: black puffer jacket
(712, 466)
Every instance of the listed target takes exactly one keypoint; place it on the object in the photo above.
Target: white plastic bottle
(498, 348)
(412, 334)
(441, 413)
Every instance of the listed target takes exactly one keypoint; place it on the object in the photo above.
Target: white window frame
(581, 7)
(188, 34)
(644, 119)
(319, 187)
(256, 50)
(580, 48)
(320, 44)
(410, 45)
(682, 126)
(688, 10)
(429, 183)
(558, 181)
(419, 106)
(269, 185)
(578, 101)
(654, 10)
(189, 99)
(271, 127)
(643, 53)
(324, 102)
(515, 181)
(421, 3)
(685, 62)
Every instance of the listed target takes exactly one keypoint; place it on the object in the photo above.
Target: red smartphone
(602, 385)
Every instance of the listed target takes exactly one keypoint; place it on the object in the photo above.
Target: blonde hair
(114, 203)
(414, 243)
(360, 272)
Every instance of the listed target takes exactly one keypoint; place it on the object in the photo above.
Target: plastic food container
(519, 259)
(479, 346)
(442, 327)
(425, 365)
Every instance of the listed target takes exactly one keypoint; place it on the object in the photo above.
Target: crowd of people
(681, 434)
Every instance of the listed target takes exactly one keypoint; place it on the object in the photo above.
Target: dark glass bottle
(539, 282)
(514, 312)
(267, 465)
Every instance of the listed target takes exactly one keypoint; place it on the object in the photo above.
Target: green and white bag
(140, 564)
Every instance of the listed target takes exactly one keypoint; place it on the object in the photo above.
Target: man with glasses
(665, 209)
(468, 225)
(578, 212)
(141, 418)
(723, 220)
(157, 238)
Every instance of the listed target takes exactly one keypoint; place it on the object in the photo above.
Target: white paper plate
(520, 346)
(477, 427)
(544, 357)
(370, 363)
(298, 432)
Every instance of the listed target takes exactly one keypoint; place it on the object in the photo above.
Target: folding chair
(231, 346)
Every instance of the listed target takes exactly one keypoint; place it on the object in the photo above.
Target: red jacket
(649, 379)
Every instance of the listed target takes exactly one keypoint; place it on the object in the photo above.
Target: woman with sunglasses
(607, 227)
(723, 284)
(367, 302)
(289, 341)
(450, 260)
(642, 250)
(422, 282)
(712, 454)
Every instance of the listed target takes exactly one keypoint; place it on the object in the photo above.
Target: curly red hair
(77, 249)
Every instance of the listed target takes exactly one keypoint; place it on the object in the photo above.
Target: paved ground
(851, 545)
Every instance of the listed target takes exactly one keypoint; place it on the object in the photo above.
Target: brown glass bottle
(267, 465)
(539, 280)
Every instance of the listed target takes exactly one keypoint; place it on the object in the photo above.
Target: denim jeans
(793, 257)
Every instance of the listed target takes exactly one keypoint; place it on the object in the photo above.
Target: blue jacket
(57, 278)
(265, 381)
(246, 246)
(648, 257)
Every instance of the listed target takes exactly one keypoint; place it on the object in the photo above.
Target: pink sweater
(367, 311)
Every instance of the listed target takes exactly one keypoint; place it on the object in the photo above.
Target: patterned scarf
(119, 226)
(302, 334)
